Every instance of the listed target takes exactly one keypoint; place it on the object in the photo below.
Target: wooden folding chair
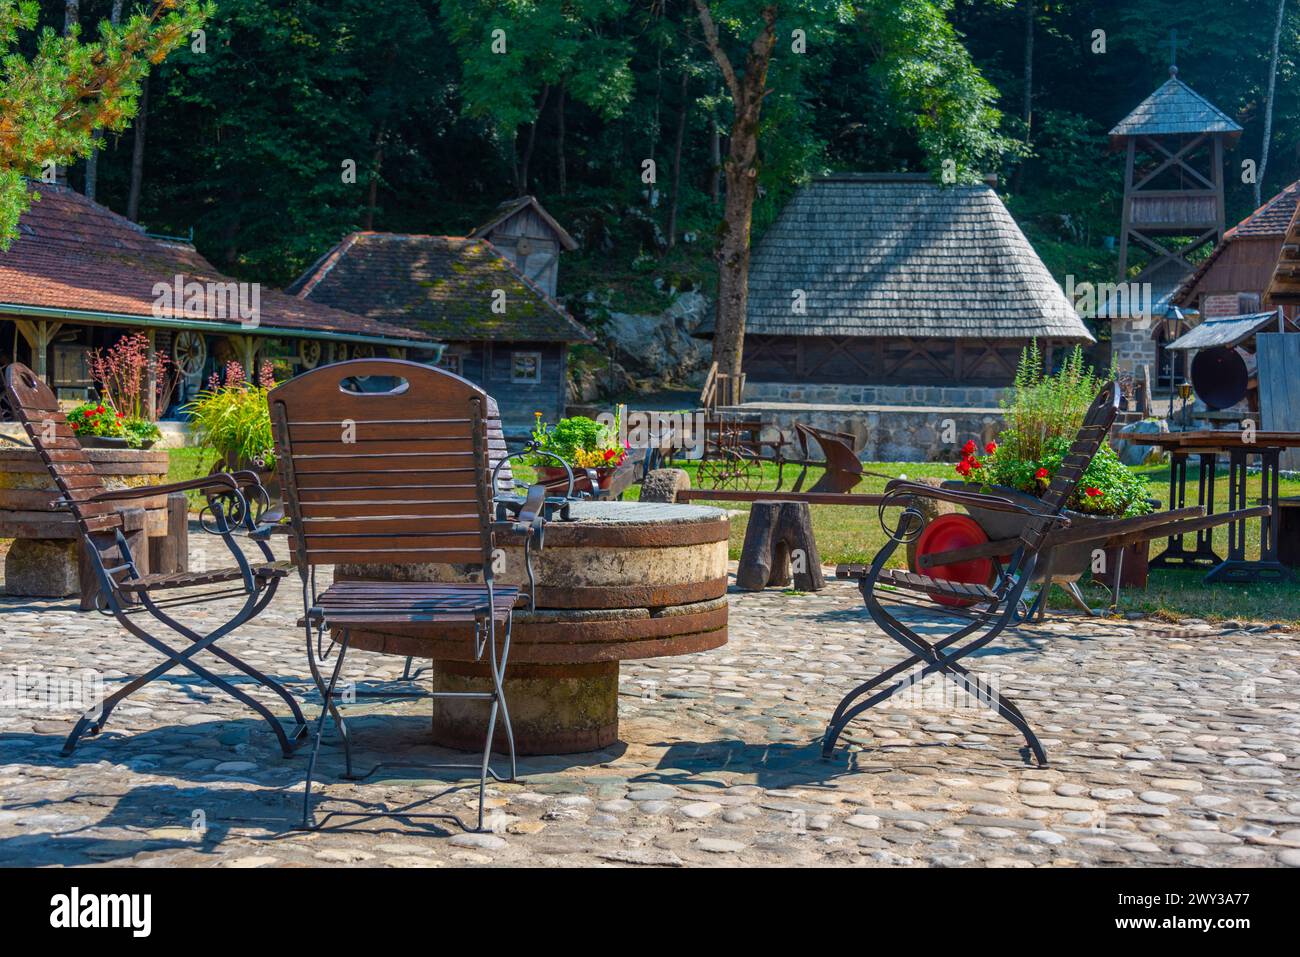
(387, 461)
(986, 610)
(124, 591)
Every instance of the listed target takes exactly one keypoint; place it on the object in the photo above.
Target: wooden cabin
(526, 234)
(503, 330)
(1234, 279)
(896, 289)
(78, 277)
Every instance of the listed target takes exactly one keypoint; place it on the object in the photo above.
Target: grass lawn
(853, 533)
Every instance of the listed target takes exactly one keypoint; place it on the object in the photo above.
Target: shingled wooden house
(503, 328)
(894, 289)
(78, 277)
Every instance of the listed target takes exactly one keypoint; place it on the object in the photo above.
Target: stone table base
(622, 581)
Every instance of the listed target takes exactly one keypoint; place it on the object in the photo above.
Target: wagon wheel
(190, 352)
(309, 353)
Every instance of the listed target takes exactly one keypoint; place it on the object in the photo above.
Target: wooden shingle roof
(1174, 109)
(900, 255)
(75, 256)
(441, 285)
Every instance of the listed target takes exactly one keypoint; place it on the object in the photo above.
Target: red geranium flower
(990, 448)
(609, 454)
(1041, 474)
(1093, 491)
(99, 410)
(963, 467)
(975, 463)
(969, 447)
(118, 414)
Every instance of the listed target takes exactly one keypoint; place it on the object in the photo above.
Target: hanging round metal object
(1219, 376)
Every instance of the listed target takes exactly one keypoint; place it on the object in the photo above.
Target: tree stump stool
(662, 485)
(779, 540)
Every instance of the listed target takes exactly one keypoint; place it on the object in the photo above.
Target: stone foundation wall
(882, 433)
(944, 396)
(1131, 345)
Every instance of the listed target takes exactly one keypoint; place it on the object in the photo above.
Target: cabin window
(451, 362)
(525, 367)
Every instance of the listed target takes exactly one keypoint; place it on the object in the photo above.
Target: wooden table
(1207, 445)
(621, 580)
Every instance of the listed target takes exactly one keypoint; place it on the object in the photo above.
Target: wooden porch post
(39, 335)
(151, 380)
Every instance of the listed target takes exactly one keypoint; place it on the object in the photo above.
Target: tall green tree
(55, 98)
(518, 55)
(932, 86)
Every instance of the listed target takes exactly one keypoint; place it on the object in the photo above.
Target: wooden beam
(39, 335)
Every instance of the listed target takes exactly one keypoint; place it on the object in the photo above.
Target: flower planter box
(548, 474)
(1067, 563)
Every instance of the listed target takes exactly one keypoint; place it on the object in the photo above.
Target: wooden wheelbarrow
(967, 550)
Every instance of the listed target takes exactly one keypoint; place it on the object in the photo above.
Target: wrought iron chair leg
(308, 817)
(498, 675)
(266, 681)
(947, 664)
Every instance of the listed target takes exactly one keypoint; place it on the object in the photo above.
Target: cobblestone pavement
(1170, 745)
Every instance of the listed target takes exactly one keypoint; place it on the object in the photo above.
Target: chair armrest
(531, 512)
(273, 523)
(994, 503)
(216, 481)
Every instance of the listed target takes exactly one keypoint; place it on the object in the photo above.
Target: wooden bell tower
(1173, 183)
(1173, 145)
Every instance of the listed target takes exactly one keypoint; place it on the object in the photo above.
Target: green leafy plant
(1044, 413)
(233, 418)
(579, 441)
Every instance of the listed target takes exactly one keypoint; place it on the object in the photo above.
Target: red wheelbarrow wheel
(944, 534)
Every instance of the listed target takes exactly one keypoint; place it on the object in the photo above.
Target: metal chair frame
(125, 593)
(995, 609)
(491, 625)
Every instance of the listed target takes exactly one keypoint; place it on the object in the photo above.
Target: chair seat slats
(213, 576)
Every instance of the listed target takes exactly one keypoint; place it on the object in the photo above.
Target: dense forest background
(246, 141)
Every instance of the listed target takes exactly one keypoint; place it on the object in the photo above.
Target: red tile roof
(1271, 219)
(443, 285)
(73, 254)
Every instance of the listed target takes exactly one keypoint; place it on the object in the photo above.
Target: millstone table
(621, 580)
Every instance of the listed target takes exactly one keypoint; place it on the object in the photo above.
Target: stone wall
(1132, 346)
(882, 433)
(957, 397)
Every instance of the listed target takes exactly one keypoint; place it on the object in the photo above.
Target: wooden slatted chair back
(399, 475)
(1096, 426)
(34, 405)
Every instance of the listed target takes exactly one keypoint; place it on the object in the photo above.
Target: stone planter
(45, 558)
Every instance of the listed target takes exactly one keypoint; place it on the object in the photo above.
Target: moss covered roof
(442, 285)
